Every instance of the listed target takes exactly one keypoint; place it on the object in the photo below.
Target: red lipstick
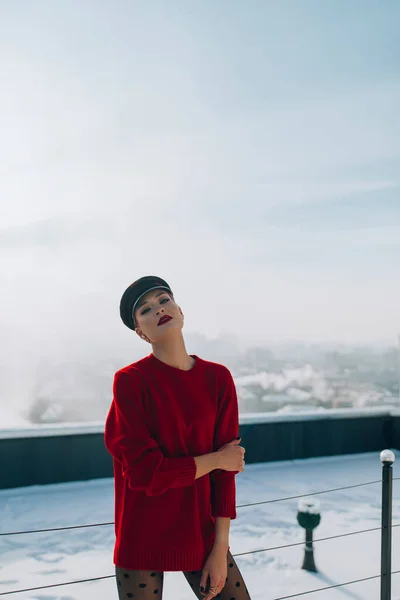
(164, 319)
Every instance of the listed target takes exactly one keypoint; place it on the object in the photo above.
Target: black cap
(134, 292)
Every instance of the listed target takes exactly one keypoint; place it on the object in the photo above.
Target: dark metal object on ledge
(309, 517)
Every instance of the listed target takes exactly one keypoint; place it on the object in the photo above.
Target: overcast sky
(247, 152)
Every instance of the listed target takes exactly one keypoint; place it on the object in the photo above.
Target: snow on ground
(47, 558)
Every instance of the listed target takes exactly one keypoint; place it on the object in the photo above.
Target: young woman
(172, 432)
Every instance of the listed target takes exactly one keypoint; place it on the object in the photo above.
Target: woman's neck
(174, 354)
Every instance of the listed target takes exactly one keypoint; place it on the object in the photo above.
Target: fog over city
(248, 154)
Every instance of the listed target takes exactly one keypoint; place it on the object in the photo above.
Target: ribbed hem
(177, 473)
(158, 560)
(188, 470)
(224, 508)
(223, 496)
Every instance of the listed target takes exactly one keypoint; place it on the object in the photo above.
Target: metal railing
(387, 459)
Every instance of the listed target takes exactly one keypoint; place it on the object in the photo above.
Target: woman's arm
(222, 527)
(207, 463)
(128, 440)
(223, 486)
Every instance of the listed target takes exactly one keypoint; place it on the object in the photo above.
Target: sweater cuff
(188, 471)
(225, 508)
(174, 473)
(183, 470)
(223, 502)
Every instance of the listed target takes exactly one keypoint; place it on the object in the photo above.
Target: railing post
(387, 459)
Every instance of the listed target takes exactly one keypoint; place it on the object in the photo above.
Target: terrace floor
(42, 559)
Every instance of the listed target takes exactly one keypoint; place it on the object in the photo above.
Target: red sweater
(159, 419)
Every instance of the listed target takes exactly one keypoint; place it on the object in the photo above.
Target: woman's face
(157, 315)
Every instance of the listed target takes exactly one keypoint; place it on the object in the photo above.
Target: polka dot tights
(148, 585)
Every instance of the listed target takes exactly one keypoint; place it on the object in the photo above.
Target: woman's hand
(216, 569)
(232, 456)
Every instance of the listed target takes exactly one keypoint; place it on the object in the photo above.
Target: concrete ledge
(318, 415)
(53, 430)
(63, 429)
(76, 452)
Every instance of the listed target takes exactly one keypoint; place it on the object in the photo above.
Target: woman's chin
(168, 330)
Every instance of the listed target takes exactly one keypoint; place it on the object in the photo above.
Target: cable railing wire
(57, 528)
(331, 537)
(347, 487)
(235, 555)
(45, 587)
(332, 586)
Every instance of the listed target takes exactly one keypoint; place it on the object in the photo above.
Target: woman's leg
(141, 585)
(234, 588)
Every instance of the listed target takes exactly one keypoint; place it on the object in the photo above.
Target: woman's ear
(140, 333)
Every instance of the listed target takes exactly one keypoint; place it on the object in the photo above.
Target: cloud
(225, 176)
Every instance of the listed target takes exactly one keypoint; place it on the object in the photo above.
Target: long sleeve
(223, 486)
(128, 440)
